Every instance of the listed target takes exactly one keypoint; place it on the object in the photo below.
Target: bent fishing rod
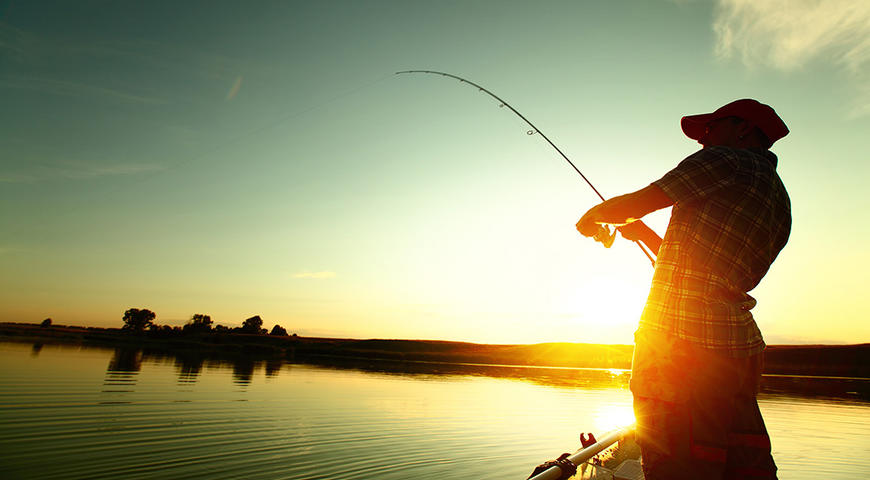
(606, 239)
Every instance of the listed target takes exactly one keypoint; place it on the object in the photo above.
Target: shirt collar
(770, 156)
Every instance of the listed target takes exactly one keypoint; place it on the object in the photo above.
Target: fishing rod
(604, 237)
(586, 453)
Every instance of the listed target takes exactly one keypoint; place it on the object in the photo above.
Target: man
(697, 359)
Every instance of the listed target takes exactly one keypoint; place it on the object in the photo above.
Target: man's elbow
(654, 198)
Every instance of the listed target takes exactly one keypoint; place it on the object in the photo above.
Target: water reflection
(127, 362)
(384, 420)
(126, 359)
(274, 366)
(121, 375)
(189, 367)
(813, 387)
(817, 387)
(243, 370)
(549, 376)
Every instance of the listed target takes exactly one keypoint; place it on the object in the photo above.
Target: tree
(278, 330)
(198, 323)
(138, 320)
(46, 323)
(161, 331)
(252, 325)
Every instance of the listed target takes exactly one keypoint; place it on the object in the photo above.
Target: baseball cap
(752, 111)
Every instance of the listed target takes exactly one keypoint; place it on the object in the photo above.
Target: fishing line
(533, 131)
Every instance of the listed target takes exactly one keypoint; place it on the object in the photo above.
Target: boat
(615, 456)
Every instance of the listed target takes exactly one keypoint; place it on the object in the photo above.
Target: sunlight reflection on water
(108, 414)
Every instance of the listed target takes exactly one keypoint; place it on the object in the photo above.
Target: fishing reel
(605, 236)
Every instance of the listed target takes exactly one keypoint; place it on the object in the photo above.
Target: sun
(610, 417)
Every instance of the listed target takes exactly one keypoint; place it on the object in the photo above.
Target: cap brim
(694, 126)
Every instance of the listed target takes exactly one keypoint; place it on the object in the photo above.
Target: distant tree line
(142, 320)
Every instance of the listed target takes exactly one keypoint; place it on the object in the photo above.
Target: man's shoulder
(741, 155)
(711, 158)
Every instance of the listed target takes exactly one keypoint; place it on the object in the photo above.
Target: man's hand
(634, 231)
(624, 212)
(589, 225)
(640, 232)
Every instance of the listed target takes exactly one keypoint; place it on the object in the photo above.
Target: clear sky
(261, 158)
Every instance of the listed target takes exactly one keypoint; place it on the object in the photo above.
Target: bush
(278, 330)
(252, 325)
(162, 331)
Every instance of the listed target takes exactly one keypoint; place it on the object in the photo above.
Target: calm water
(68, 412)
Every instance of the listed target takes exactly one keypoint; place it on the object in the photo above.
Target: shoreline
(834, 361)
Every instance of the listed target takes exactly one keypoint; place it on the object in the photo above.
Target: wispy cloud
(54, 64)
(788, 34)
(31, 52)
(314, 275)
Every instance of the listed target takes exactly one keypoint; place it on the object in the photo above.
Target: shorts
(696, 411)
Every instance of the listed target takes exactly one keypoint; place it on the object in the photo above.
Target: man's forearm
(632, 206)
(624, 209)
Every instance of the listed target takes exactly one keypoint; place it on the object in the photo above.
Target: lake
(71, 412)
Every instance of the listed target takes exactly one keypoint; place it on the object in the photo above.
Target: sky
(263, 158)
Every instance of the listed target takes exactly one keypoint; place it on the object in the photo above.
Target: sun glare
(611, 417)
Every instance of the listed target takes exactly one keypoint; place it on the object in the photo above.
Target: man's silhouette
(697, 359)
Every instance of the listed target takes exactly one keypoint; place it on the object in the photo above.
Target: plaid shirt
(730, 219)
